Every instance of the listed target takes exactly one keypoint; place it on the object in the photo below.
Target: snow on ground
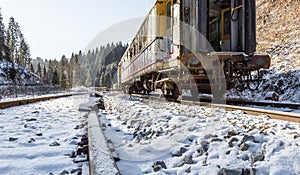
(154, 137)
(38, 138)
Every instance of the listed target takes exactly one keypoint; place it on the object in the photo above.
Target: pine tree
(39, 70)
(55, 78)
(11, 39)
(2, 37)
(45, 75)
(31, 68)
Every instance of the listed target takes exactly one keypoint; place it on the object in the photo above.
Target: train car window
(168, 15)
(226, 23)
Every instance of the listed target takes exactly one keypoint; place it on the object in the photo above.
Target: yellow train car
(196, 45)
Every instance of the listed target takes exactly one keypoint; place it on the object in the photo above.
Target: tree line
(94, 68)
(97, 67)
(13, 46)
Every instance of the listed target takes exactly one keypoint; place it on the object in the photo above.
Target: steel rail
(18, 102)
(275, 114)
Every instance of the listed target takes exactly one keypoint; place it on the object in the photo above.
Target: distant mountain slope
(22, 75)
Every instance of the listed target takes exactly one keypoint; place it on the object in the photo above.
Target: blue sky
(56, 27)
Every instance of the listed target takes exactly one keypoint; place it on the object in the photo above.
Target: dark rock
(98, 95)
(208, 136)
(228, 152)
(158, 165)
(79, 150)
(247, 138)
(64, 172)
(232, 139)
(259, 156)
(249, 171)
(244, 147)
(179, 152)
(31, 119)
(232, 133)
(200, 151)
(216, 140)
(35, 112)
(188, 160)
(77, 127)
(188, 170)
(272, 96)
(31, 140)
(72, 155)
(75, 170)
(39, 134)
(180, 164)
(85, 149)
(225, 171)
(12, 139)
(204, 145)
(54, 144)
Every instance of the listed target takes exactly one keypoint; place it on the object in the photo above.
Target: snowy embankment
(168, 138)
(40, 138)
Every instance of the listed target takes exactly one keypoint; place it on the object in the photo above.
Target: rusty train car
(195, 46)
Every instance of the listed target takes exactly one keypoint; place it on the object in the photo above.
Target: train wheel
(175, 92)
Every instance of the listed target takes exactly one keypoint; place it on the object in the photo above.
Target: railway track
(232, 105)
(18, 102)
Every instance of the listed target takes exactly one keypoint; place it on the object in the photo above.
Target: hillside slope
(22, 75)
(278, 35)
(278, 32)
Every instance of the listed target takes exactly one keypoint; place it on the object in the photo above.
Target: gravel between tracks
(168, 138)
(39, 138)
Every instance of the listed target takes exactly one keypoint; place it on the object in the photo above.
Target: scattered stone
(35, 112)
(247, 138)
(216, 140)
(54, 144)
(180, 164)
(244, 147)
(158, 165)
(249, 171)
(75, 170)
(188, 160)
(179, 152)
(204, 145)
(188, 170)
(72, 155)
(208, 136)
(228, 152)
(259, 156)
(31, 140)
(31, 119)
(12, 139)
(232, 133)
(64, 172)
(77, 127)
(272, 96)
(232, 139)
(39, 134)
(225, 171)
(81, 158)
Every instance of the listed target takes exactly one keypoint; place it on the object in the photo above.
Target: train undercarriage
(232, 71)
